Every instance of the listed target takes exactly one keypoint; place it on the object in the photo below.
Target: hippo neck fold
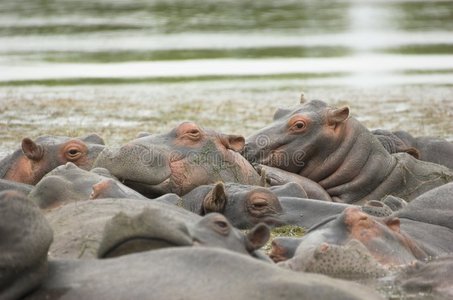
(356, 167)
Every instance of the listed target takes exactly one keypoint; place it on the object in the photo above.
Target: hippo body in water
(426, 148)
(25, 240)
(69, 183)
(177, 162)
(356, 244)
(327, 146)
(175, 273)
(247, 205)
(36, 158)
(188, 273)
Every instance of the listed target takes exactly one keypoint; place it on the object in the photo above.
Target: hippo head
(25, 240)
(214, 230)
(37, 158)
(354, 244)
(293, 140)
(178, 161)
(243, 205)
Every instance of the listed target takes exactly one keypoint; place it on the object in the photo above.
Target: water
(358, 43)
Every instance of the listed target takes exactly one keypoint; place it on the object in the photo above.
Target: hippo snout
(135, 162)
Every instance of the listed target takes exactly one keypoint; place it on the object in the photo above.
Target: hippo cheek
(136, 163)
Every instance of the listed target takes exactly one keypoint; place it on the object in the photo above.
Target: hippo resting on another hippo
(178, 161)
(113, 227)
(68, 183)
(356, 244)
(36, 158)
(327, 146)
(247, 205)
(432, 149)
(174, 273)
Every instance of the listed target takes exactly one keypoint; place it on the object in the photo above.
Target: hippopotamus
(189, 273)
(113, 227)
(27, 274)
(427, 148)
(356, 244)
(25, 240)
(178, 161)
(67, 183)
(247, 205)
(36, 158)
(79, 226)
(327, 145)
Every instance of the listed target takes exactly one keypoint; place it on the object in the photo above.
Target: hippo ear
(32, 150)
(142, 134)
(412, 151)
(280, 113)
(336, 116)
(234, 142)
(215, 200)
(93, 138)
(393, 223)
(257, 237)
(303, 98)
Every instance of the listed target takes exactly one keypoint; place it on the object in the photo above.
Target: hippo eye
(299, 125)
(259, 204)
(221, 227)
(73, 153)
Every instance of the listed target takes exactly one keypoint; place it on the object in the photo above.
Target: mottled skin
(14, 185)
(82, 228)
(178, 161)
(422, 229)
(36, 158)
(283, 248)
(247, 205)
(435, 277)
(335, 150)
(69, 183)
(189, 273)
(25, 237)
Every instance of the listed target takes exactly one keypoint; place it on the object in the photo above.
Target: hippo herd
(186, 214)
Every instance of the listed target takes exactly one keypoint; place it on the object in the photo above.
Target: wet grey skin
(17, 186)
(81, 229)
(189, 273)
(69, 183)
(342, 245)
(246, 205)
(36, 158)
(178, 161)
(113, 227)
(328, 146)
(25, 240)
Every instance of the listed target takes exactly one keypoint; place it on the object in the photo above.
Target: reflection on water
(60, 39)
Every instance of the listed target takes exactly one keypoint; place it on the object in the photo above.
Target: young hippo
(247, 205)
(178, 161)
(36, 158)
(25, 240)
(335, 150)
(355, 244)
